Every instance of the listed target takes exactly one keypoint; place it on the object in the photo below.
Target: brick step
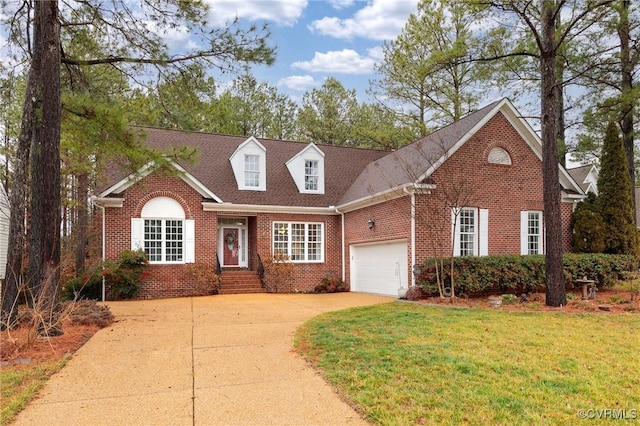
(240, 282)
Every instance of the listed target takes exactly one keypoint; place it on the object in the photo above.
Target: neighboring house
(586, 176)
(362, 215)
(5, 216)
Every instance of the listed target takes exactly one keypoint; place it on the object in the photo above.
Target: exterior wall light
(372, 223)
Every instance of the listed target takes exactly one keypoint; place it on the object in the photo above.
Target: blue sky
(316, 39)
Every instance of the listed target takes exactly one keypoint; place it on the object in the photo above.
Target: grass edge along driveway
(403, 363)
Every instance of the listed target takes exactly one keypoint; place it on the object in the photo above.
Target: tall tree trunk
(555, 294)
(562, 147)
(44, 236)
(82, 183)
(627, 102)
(18, 204)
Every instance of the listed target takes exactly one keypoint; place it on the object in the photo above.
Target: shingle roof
(410, 162)
(213, 169)
(580, 174)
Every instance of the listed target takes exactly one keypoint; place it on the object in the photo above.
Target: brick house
(364, 216)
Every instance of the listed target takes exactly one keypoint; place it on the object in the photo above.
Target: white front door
(232, 246)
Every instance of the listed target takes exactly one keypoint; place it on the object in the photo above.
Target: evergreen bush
(523, 274)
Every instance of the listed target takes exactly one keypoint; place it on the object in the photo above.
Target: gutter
(104, 243)
(413, 233)
(343, 261)
(102, 203)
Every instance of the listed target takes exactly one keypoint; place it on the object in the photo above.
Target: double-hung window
(252, 171)
(163, 232)
(471, 231)
(299, 241)
(531, 232)
(311, 173)
(468, 228)
(164, 240)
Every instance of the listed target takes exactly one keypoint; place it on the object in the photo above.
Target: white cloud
(297, 82)
(378, 20)
(282, 12)
(341, 4)
(344, 61)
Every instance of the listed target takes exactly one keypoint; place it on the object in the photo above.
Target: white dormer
(249, 163)
(307, 170)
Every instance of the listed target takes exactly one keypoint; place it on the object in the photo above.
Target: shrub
(204, 278)
(330, 285)
(414, 293)
(278, 272)
(89, 286)
(88, 312)
(126, 276)
(509, 299)
(522, 274)
(122, 277)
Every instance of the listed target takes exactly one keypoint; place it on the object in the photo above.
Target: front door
(233, 246)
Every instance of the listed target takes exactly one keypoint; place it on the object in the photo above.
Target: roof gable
(130, 180)
(413, 164)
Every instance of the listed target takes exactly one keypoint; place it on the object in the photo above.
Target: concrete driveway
(220, 360)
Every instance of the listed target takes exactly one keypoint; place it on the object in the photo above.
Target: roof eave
(257, 208)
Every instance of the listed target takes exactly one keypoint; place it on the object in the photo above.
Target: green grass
(403, 364)
(19, 385)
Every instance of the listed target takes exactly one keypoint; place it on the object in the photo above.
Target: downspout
(413, 233)
(104, 246)
(342, 244)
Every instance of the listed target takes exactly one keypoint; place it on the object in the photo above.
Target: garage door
(379, 268)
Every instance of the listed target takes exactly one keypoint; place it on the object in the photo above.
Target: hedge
(520, 274)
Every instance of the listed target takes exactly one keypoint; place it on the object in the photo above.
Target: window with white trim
(163, 232)
(311, 173)
(164, 240)
(251, 171)
(471, 231)
(467, 232)
(531, 232)
(300, 241)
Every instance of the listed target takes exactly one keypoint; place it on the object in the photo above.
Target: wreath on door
(230, 239)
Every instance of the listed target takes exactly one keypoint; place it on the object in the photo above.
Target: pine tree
(614, 201)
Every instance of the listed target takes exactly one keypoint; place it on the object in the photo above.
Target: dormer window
(307, 170)
(249, 163)
(251, 171)
(311, 174)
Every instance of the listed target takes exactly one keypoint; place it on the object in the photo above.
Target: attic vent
(499, 156)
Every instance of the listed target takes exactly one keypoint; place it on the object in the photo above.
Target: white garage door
(379, 268)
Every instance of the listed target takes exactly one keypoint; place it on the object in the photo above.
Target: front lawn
(403, 364)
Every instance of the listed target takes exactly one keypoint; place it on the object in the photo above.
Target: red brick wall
(170, 280)
(504, 190)
(307, 275)
(465, 179)
(164, 280)
(392, 221)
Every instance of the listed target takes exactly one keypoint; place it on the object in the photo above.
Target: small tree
(614, 202)
(588, 227)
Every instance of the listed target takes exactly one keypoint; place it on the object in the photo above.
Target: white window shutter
(455, 230)
(524, 232)
(484, 233)
(189, 241)
(137, 234)
(542, 233)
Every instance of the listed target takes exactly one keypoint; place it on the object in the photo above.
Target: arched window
(163, 232)
(499, 156)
